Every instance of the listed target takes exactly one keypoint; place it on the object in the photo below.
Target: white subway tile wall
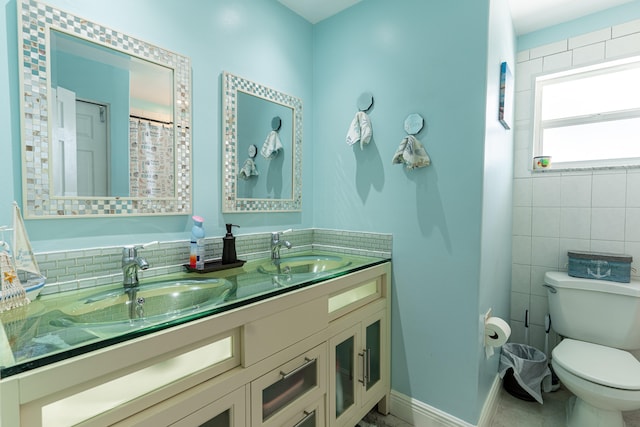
(78, 269)
(597, 210)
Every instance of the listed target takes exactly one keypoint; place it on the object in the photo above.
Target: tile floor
(374, 419)
(516, 412)
(512, 412)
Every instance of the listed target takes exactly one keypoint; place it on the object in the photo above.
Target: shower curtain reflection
(151, 154)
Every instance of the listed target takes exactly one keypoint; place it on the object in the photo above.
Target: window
(590, 116)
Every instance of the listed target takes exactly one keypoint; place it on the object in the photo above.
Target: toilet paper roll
(496, 332)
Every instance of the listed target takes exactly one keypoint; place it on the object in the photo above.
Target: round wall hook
(252, 151)
(365, 101)
(413, 123)
(276, 123)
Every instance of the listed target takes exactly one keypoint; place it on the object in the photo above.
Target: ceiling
(316, 10)
(528, 15)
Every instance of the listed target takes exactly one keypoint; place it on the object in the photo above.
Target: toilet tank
(597, 311)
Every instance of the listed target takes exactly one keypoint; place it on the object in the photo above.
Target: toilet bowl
(600, 323)
(605, 381)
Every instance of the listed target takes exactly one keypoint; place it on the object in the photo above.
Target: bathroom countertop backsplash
(87, 268)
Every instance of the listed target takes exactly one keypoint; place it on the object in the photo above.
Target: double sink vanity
(298, 341)
(303, 340)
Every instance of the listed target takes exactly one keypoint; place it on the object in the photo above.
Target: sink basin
(115, 310)
(304, 264)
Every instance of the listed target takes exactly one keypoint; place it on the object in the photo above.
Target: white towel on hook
(248, 170)
(271, 145)
(360, 130)
(411, 153)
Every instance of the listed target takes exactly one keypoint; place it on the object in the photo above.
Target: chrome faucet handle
(275, 236)
(132, 250)
(276, 244)
(131, 262)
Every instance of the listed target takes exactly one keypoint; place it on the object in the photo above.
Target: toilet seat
(599, 364)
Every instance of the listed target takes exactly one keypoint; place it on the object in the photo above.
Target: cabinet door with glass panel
(357, 358)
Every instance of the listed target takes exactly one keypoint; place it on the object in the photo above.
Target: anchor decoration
(600, 265)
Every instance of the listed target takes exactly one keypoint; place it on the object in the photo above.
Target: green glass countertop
(59, 326)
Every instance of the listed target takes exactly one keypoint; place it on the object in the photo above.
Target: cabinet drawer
(106, 403)
(310, 416)
(193, 407)
(275, 332)
(351, 298)
(228, 411)
(284, 392)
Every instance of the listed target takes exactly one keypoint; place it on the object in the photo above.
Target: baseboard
(422, 415)
(491, 403)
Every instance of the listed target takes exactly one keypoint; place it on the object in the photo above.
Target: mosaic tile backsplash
(78, 269)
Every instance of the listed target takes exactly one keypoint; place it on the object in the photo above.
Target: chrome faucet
(276, 244)
(131, 263)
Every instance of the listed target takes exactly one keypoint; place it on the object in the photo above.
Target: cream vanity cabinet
(358, 353)
(317, 355)
(357, 380)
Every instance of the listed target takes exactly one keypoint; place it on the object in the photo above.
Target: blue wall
(253, 126)
(261, 41)
(428, 58)
(495, 267)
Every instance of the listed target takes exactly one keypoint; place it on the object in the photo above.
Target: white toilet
(600, 323)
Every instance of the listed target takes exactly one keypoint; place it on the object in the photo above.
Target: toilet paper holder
(496, 331)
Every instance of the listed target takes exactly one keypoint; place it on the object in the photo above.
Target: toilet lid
(599, 364)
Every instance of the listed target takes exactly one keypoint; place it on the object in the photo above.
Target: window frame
(573, 74)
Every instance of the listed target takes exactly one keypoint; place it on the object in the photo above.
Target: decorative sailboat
(20, 276)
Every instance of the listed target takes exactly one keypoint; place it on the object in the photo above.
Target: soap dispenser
(229, 246)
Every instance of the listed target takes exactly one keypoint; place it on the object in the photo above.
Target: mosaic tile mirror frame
(35, 22)
(233, 157)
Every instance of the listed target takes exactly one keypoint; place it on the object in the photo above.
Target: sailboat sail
(20, 277)
(23, 256)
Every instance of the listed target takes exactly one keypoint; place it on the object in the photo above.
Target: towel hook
(413, 124)
(365, 101)
(252, 151)
(276, 123)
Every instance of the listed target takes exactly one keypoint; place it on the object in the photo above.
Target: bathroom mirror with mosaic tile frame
(277, 184)
(154, 162)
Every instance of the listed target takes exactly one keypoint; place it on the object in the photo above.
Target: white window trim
(567, 75)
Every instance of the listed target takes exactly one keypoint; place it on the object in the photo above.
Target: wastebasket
(523, 369)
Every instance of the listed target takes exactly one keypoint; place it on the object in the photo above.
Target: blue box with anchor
(600, 265)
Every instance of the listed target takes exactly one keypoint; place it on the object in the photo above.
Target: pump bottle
(229, 246)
